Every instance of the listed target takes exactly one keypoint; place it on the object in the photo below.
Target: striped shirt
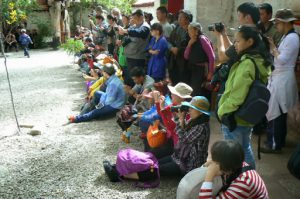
(248, 185)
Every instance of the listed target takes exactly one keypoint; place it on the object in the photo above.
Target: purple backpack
(132, 161)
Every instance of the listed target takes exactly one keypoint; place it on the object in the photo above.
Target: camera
(179, 108)
(219, 27)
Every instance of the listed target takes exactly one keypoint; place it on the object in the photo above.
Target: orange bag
(156, 137)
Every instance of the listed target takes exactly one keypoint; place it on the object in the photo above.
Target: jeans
(25, 48)
(105, 111)
(242, 134)
(167, 167)
(276, 132)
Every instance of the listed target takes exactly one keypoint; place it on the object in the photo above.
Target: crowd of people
(162, 75)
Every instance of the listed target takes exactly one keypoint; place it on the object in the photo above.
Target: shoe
(266, 149)
(72, 119)
(111, 171)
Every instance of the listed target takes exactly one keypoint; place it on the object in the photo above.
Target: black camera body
(219, 27)
(179, 108)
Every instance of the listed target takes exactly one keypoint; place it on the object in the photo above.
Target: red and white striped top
(248, 185)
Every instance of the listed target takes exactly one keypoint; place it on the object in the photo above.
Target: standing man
(162, 14)
(138, 39)
(267, 27)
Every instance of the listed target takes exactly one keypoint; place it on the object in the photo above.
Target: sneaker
(111, 171)
(71, 119)
(266, 149)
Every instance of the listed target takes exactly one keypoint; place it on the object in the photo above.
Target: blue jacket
(157, 63)
(115, 95)
(24, 39)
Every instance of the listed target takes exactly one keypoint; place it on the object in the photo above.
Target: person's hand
(213, 170)
(181, 117)
(118, 42)
(192, 41)
(174, 50)
(162, 100)
(91, 21)
(122, 31)
(154, 52)
(209, 76)
(156, 96)
(272, 44)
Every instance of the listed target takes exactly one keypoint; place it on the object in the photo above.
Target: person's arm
(207, 47)
(221, 47)
(110, 95)
(141, 32)
(242, 81)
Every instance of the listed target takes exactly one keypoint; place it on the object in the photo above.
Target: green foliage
(44, 30)
(73, 46)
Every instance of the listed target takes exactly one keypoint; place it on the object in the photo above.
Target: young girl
(157, 48)
(241, 77)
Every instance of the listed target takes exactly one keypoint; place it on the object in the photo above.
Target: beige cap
(182, 90)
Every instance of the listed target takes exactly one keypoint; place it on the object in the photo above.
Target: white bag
(190, 184)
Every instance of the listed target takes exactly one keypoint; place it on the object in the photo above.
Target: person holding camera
(100, 35)
(178, 41)
(239, 179)
(191, 151)
(112, 32)
(241, 76)
(201, 57)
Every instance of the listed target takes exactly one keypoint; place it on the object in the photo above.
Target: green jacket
(240, 78)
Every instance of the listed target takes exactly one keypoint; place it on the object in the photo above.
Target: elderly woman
(282, 83)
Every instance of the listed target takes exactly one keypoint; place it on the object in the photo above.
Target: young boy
(24, 40)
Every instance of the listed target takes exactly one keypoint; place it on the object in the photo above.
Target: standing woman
(282, 83)
(111, 33)
(201, 57)
(240, 79)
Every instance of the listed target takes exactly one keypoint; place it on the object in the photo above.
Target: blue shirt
(157, 63)
(115, 95)
(24, 39)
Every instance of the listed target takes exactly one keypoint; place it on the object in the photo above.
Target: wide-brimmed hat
(198, 103)
(182, 90)
(284, 15)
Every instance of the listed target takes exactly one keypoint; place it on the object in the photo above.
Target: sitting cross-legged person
(179, 93)
(109, 102)
(191, 151)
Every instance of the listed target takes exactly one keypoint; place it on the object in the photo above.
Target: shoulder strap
(257, 75)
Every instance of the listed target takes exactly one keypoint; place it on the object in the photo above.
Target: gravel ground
(65, 161)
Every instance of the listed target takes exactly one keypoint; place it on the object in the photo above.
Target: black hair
(100, 17)
(188, 15)
(126, 16)
(110, 17)
(137, 72)
(229, 155)
(88, 39)
(157, 26)
(267, 7)
(163, 10)
(260, 45)
(138, 13)
(171, 17)
(249, 8)
(148, 16)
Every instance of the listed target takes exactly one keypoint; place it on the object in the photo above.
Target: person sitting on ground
(179, 93)
(143, 83)
(239, 179)
(192, 149)
(109, 102)
(157, 48)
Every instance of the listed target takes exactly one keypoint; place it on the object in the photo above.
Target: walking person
(25, 40)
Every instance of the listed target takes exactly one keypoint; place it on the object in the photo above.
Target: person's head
(156, 30)
(180, 92)
(194, 29)
(138, 17)
(111, 19)
(284, 20)
(265, 11)
(171, 18)
(108, 70)
(138, 75)
(246, 38)
(23, 31)
(161, 13)
(88, 40)
(99, 19)
(125, 20)
(229, 155)
(116, 12)
(99, 10)
(148, 17)
(248, 13)
(197, 106)
(185, 17)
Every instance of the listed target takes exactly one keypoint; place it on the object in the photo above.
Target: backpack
(24, 40)
(256, 103)
(294, 163)
(131, 161)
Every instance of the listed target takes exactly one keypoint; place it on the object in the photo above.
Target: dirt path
(64, 161)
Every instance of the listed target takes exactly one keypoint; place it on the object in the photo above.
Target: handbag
(255, 105)
(156, 137)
